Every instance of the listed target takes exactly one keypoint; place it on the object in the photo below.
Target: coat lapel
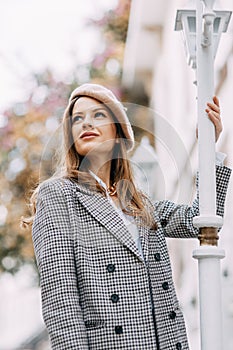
(144, 236)
(100, 208)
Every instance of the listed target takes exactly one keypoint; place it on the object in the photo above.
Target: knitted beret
(106, 96)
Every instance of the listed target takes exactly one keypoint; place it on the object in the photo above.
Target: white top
(127, 219)
(219, 158)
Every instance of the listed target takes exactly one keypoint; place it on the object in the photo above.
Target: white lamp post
(202, 29)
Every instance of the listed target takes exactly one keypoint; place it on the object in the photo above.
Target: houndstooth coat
(97, 291)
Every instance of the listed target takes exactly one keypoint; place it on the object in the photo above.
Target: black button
(157, 257)
(111, 267)
(178, 346)
(115, 298)
(165, 285)
(172, 315)
(118, 330)
(163, 222)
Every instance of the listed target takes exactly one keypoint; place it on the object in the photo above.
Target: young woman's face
(93, 128)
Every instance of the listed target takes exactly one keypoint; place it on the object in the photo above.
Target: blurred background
(46, 49)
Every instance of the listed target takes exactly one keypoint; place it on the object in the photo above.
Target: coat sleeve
(54, 249)
(177, 220)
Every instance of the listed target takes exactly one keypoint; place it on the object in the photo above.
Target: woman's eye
(100, 115)
(76, 119)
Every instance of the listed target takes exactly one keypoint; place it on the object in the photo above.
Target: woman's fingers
(213, 112)
(214, 106)
(216, 101)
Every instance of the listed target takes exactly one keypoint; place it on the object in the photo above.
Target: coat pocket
(94, 324)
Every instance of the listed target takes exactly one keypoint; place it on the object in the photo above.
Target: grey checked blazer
(97, 291)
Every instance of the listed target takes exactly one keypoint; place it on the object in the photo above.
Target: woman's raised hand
(213, 111)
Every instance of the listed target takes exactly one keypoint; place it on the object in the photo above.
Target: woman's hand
(213, 111)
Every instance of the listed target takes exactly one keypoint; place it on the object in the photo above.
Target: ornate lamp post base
(208, 225)
(208, 236)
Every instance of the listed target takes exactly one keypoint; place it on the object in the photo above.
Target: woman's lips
(88, 135)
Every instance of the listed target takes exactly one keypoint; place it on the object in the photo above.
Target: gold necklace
(112, 189)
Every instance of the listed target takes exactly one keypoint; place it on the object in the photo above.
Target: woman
(106, 280)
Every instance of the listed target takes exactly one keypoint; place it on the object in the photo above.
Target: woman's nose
(88, 122)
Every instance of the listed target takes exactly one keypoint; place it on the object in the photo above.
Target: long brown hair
(72, 166)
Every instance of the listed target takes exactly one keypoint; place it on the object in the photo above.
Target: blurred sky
(35, 34)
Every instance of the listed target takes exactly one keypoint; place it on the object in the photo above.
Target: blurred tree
(27, 130)
(107, 65)
(29, 134)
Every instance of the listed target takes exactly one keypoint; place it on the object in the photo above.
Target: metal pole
(208, 254)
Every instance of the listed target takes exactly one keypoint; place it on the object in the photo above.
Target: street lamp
(145, 166)
(186, 23)
(202, 28)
